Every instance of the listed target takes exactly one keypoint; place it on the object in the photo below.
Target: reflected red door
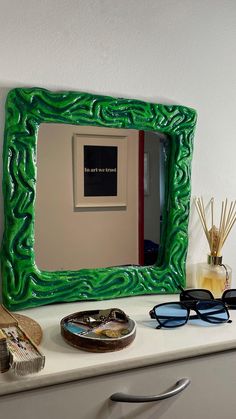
(141, 198)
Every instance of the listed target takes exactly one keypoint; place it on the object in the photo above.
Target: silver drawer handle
(178, 387)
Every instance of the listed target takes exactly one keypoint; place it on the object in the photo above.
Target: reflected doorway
(152, 166)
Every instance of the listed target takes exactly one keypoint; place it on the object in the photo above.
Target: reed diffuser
(214, 275)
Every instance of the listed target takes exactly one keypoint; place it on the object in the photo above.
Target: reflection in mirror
(100, 196)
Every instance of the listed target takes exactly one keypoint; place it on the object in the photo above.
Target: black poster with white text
(100, 170)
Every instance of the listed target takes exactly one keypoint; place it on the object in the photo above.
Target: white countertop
(65, 363)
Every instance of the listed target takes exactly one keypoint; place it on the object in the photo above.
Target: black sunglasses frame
(187, 296)
(198, 315)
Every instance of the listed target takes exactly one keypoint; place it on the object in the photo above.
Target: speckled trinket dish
(98, 330)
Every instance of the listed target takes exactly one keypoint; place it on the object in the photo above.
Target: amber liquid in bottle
(214, 276)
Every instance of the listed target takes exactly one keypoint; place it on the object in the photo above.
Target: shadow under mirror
(100, 196)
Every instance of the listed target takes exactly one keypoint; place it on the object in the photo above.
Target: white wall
(180, 51)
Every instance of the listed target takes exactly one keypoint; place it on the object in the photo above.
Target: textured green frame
(24, 285)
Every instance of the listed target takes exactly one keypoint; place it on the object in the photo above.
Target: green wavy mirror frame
(24, 285)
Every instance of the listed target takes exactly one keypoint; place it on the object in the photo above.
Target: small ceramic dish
(98, 330)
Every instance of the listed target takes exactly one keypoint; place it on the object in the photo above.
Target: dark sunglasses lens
(213, 311)
(229, 297)
(196, 294)
(171, 314)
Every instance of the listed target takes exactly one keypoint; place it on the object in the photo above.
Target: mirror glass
(71, 235)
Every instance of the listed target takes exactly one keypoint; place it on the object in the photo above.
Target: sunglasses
(191, 295)
(177, 314)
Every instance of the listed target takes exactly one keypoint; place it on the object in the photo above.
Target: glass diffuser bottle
(214, 275)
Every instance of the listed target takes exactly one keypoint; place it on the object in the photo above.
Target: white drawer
(211, 394)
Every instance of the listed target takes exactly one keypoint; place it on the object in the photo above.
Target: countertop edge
(40, 381)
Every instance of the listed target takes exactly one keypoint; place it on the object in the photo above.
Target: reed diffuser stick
(230, 216)
(221, 229)
(202, 218)
(212, 221)
(229, 229)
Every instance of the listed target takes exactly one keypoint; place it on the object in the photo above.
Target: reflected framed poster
(99, 170)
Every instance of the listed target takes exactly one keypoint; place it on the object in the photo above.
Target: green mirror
(24, 284)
